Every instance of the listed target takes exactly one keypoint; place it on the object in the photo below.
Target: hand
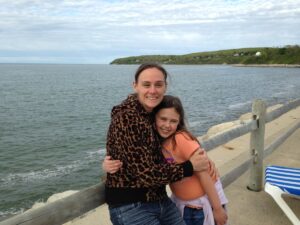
(213, 171)
(111, 166)
(199, 161)
(220, 216)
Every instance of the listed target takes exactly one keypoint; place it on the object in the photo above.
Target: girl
(178, 145)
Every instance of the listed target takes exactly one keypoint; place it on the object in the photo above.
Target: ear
(134, 86)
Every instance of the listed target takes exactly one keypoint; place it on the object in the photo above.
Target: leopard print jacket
(132, 139)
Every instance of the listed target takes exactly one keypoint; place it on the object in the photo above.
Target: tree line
(289, 54)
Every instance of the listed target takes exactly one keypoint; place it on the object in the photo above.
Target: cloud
(121, 28)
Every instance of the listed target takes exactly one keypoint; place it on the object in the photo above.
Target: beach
(245, 207)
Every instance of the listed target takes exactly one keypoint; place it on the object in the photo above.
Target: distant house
(236, 54)
(257, 54)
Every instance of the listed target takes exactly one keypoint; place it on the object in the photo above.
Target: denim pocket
(193, 216)
(128, 207)
(120, 215)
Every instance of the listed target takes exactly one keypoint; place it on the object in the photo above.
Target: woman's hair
(145, 66)
(170, 101)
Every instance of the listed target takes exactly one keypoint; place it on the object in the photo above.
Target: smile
(152, 98)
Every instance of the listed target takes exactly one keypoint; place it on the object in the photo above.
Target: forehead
(168, 113)
(151, 75)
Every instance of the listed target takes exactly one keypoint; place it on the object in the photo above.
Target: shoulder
(131, 120)
(125, 111)
(182, 136)
(184, 141)
(127, 119)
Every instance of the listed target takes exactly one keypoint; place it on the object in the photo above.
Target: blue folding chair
(280, 181)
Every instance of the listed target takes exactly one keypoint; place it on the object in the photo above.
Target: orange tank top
(189, 187)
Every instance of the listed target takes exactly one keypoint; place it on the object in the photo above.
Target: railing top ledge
(281, 110)
(244, 127)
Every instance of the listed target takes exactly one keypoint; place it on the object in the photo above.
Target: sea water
(54, 118)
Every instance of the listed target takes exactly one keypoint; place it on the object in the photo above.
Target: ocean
(54, 118)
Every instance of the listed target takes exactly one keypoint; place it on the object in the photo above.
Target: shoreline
(267, 65)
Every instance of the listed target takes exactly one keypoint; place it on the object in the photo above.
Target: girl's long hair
(170, 101)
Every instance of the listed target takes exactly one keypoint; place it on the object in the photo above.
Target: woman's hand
(199, 160)
(111, 166)
(213, 170)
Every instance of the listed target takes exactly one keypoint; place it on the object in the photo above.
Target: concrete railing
(75, 205)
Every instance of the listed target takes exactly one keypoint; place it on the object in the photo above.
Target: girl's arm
(185, 147)
(208, 185)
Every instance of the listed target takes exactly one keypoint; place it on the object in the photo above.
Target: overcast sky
(98, 31)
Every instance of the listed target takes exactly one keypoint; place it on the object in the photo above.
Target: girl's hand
(111, 166)
(220, 216)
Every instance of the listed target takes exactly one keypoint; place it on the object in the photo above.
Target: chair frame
(275, 186)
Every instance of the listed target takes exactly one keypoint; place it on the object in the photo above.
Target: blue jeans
(193, 216)
(146, 213)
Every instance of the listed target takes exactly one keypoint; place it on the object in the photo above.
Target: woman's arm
(133, 142)
(112, 166)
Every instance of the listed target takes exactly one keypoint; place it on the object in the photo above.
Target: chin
(154, 103)
(152, 106)
(164, 136)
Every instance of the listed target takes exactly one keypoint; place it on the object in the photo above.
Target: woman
(136, 193)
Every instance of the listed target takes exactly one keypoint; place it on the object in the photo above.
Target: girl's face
(150, 88)
(166, 122)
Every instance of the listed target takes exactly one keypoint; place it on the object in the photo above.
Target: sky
(99, 31)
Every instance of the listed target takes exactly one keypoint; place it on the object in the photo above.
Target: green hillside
(284, 55)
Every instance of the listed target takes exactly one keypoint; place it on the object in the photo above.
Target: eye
(159, 84)
(162, 118)
(174, 121)
(146, 85)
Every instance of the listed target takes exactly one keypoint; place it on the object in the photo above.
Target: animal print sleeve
(133, 141)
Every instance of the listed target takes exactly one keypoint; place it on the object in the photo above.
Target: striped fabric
(286, 178)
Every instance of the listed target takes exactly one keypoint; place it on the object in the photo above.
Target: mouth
(165, 132)
(151, 98)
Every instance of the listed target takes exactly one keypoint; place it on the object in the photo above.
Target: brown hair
(145, 66)
(170, 101)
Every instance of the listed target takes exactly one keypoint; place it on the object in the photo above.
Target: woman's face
(166, 122)
(150, 88)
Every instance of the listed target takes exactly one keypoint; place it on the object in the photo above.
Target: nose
(152, 89)
(167, 124)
